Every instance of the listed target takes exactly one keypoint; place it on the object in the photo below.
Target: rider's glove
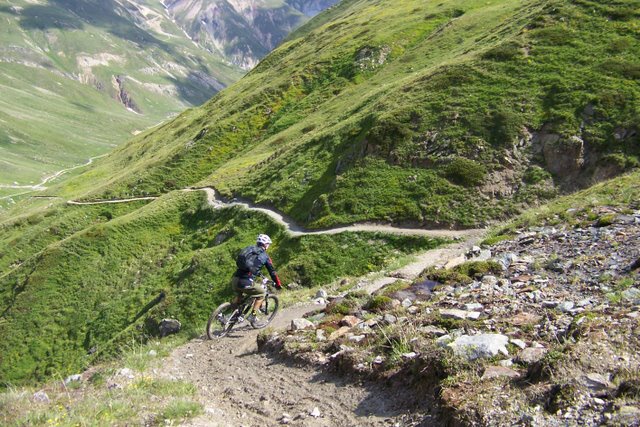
(277, 283)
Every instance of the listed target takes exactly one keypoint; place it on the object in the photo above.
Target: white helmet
(263, 239)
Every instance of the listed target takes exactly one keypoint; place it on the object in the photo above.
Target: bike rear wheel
(268, 310)
(221, 321)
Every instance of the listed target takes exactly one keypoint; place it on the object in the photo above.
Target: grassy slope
(87, 279)
(48, 97)
(329, 135)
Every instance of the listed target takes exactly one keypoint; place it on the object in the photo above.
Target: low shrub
(535, 174)
(478, 268)
(379, 303)
(465, 172)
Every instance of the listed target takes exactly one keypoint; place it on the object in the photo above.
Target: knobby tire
(272, 305)
(220, 323)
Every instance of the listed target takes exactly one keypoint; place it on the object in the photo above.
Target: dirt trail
(240, 387)
(291, 227)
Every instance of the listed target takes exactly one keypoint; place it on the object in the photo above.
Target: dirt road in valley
(238, 386)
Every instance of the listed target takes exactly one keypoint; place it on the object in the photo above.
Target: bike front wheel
(268, 310)
(221, 321)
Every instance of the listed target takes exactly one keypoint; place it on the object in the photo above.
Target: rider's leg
(256, 305)
(236, 285)
(259, 294)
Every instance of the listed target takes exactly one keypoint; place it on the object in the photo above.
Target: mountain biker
(243, 279)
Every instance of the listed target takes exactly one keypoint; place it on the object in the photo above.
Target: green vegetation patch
(86, 297)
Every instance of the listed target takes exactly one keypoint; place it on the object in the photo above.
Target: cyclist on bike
(250, 262)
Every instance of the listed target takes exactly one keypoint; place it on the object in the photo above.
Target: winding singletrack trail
(239, 386)
(296, 230)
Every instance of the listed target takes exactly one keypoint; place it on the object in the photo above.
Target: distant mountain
(79, 77)
(243, 31)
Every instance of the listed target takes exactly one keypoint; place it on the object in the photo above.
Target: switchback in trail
(296, 230)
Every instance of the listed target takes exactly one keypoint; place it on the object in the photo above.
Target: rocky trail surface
(547, 334)
(239, 386)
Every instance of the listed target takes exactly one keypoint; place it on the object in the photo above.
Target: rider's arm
(272, 272)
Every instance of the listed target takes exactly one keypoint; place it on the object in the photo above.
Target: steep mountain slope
(243, 31)
(79, 77)
(452, 113)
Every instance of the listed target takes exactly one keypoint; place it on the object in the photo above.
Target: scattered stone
(632, 295)
(489, 280)
(389, 319)
(459, 314)
(72, 378)
(320, 335)
(349, 321)
(518, 343)
(523, 319)
(409, 356)
(169, 326)
(499, 371)
(370, 323)
(566, 306)
(315, 413)
(444, 340)
(339, 332)
(152, 353)
(378, 360)
(126, 372)
(431, 330)
(300, 324)
(507, 363)
(595, 382)
(285, 418)
(41, 397)
(188, 356)
(406, 303)
(356, 338)
(507, 259)
(474, 306)
(530, 355)
(583, 303)
(473, 252)
(413, 310)
(322, 294)
(625, 416)
(478, 346)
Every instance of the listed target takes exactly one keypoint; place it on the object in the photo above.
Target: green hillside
(457, 114)
(64, 65)
(439, 114)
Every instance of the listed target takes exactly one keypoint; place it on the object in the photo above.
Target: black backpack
(248, 259)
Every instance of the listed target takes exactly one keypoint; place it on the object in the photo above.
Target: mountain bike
(225, 317)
